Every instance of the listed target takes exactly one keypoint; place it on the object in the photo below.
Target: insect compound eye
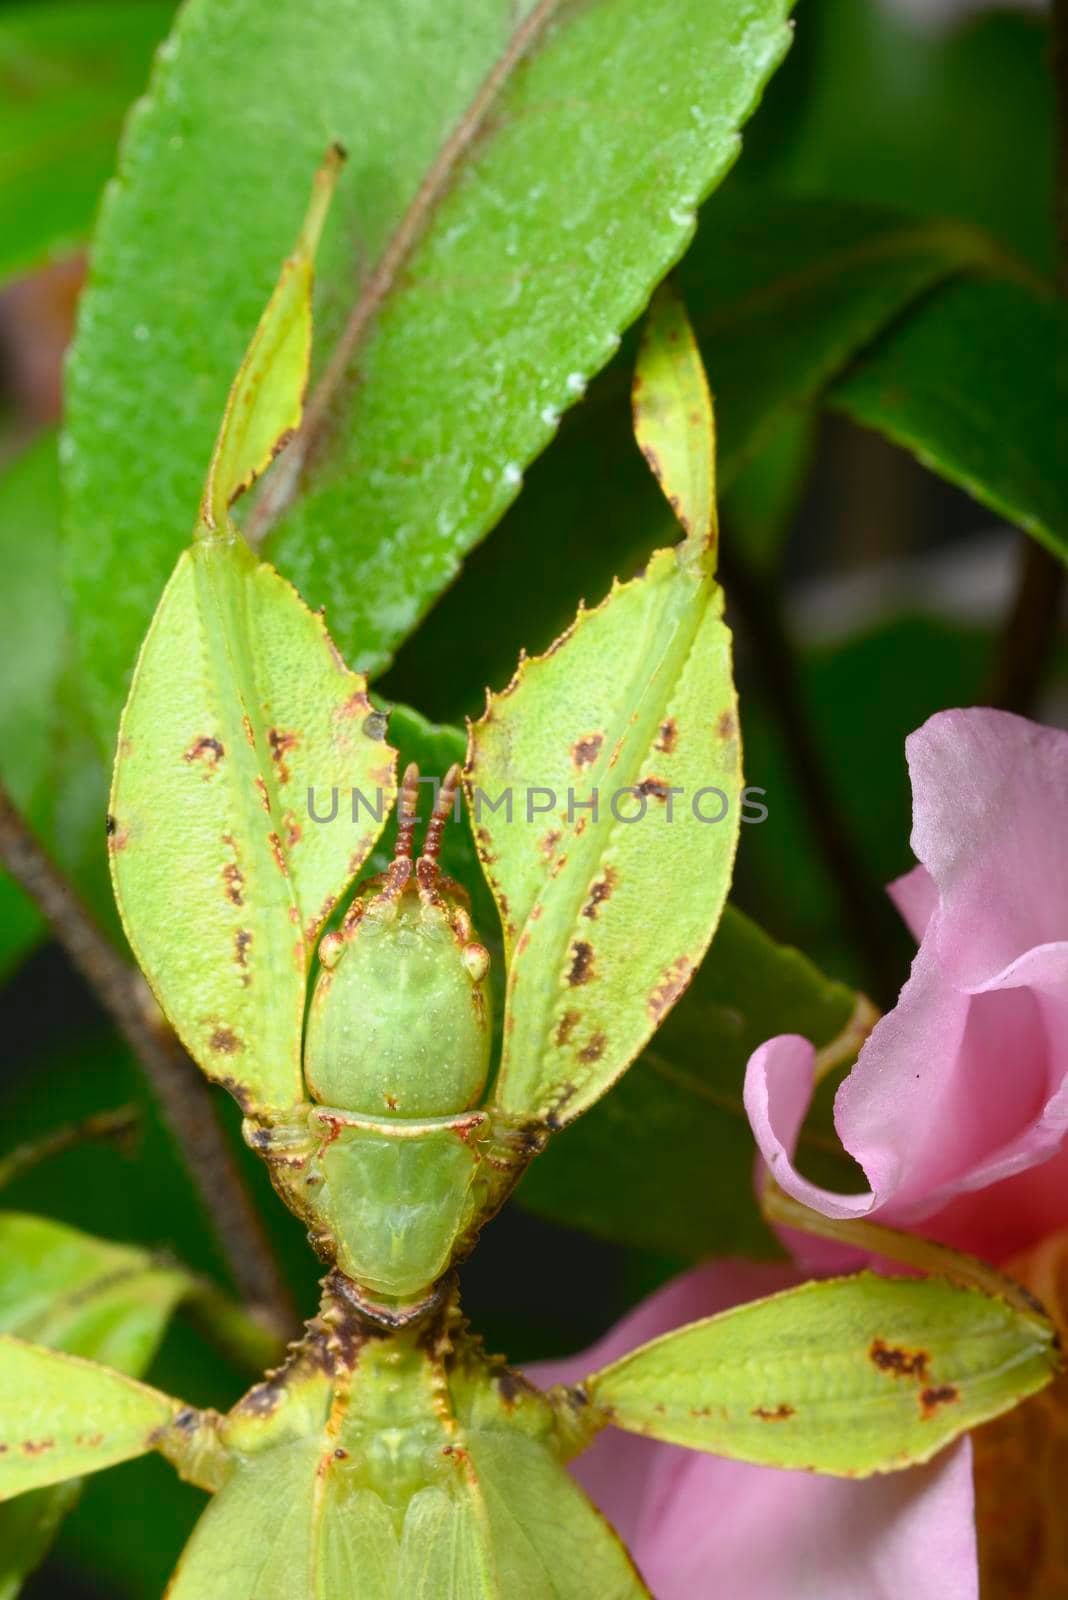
(476, 961)
(330, 950)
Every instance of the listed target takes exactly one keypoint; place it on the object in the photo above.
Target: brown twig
(281, 486)
(118, 1128)
(866, 910)
(1030, 631)
(184, 1098)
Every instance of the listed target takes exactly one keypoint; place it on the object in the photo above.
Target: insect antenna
(427, 869)
(407, 801)
(400, 868)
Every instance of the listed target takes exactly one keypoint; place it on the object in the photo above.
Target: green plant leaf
(853, 116)
(501, 223)
(65, 1289)
(665, 1161)
(240, 706)
(61, 1416)
(783, 294)
(62, 1288)
(847, 1376)
(759, 508)
(968, 383)
(592, 772)
(70, 68)
(50, 763)
(30, 660)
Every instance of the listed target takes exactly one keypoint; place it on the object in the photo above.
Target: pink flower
(703, 1528)
(957, 1107)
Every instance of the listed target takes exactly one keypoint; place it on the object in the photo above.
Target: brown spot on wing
(778, 1413)
(584, 751)
(281, 742)
(594, 1050)
(899, 1362)
(942, 1395)
(600, 891)
(37, 1447)
(566, 1026)
(581, 970)
(242, 940)
(653, 786)
(226, 1042)
(118, 838)
(726, 727)
(261, 790)
(249, 734)
(233, 882)
(668, 736)
(279, 854)
(359, 705)
(549, 843)
(206, 750)
(671, 985)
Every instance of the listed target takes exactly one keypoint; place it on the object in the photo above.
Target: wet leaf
(497, 227)
(783, 294)
(240, 705)
(70, 69)
(968, 383)
(601, 781)
(847, 1376)
(61, 1416)
(665, 1161)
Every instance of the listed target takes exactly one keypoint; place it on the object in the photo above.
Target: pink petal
(916, 897)
(722, 1528)
(615, 1469)
(964, 1085)
(703, 1528)
(990, 800)
(778, 1088)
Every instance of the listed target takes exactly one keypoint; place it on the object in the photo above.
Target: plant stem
(867, 912)
(1030, 631)
(117, 1128)
(184, 1098)
(245, 1339)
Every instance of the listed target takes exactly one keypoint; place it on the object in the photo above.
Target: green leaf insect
(390, 1457)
